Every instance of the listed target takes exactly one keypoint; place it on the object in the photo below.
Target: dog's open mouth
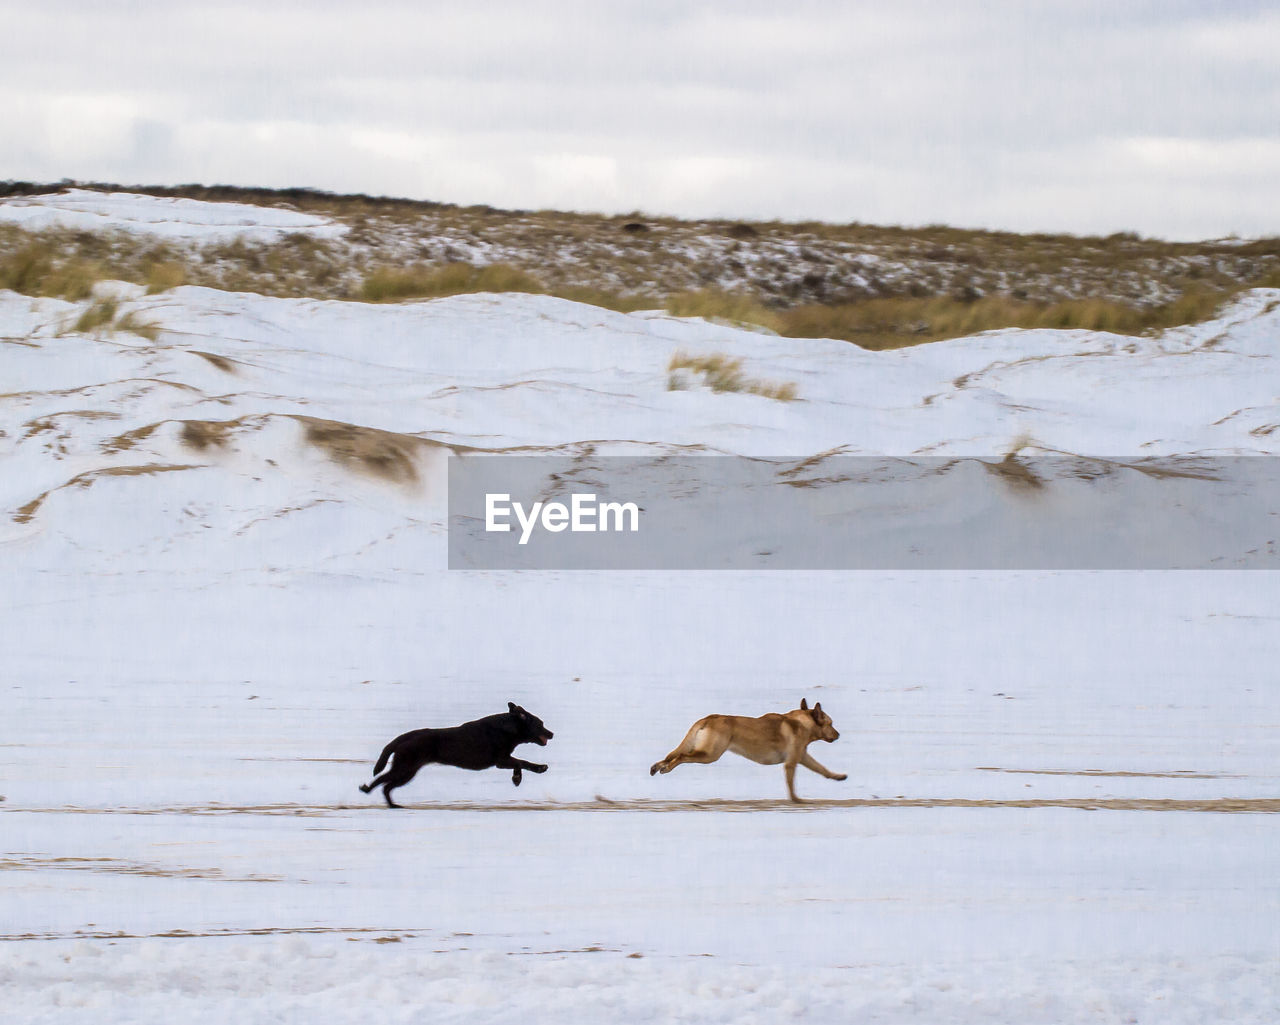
(543, 737)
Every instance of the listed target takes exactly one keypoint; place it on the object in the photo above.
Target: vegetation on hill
(881, 287)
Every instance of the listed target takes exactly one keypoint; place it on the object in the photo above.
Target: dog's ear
(511, 706)
(817, 706)
(804, 704)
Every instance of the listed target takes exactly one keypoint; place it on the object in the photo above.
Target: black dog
(483, 744)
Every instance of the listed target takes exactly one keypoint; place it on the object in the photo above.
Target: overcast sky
(1158, 116)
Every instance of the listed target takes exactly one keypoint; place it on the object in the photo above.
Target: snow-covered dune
(177, 219)
(246, 410)
(225, 589)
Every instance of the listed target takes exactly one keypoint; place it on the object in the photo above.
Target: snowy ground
(225, 589)
(183, 829)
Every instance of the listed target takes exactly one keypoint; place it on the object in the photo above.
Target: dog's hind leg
(701, 745)
(386, 795)
(395, 779)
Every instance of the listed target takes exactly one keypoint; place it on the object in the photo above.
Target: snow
(1061, 794)
(332, 980)
(174, 218)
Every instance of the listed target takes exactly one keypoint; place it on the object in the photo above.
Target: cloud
(1012, 116)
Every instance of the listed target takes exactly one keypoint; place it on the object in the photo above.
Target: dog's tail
(381, 763)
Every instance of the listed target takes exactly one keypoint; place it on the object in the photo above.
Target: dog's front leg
(809, 762)
(511, 762)
(516, 765)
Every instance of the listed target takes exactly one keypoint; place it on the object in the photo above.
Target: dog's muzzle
(543, 737)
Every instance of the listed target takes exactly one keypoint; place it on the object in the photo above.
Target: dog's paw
(515, 778)
(365, 788)
(840, 777)
(537, 768)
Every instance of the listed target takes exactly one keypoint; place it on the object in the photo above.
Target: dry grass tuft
(130, 322)
(728, 307)
(389, 284)
(99, 314)
(164, 275)
(616, 301)
(203, 434)
(104, 315)
(723, 373)
(891, 323)
(221, 362)
(382, 454)
(39, 269)
(1017, 474)
(84, 480)
(127, 440)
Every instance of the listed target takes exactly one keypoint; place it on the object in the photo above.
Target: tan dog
(770, 739)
